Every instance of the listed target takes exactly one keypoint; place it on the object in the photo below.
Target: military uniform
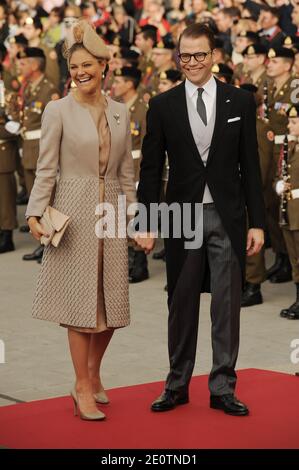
(255, 265)
(289, 211)
(279, 103)
(137, 110)
(36, 97)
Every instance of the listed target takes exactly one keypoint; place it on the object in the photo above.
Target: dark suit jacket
(232, 171)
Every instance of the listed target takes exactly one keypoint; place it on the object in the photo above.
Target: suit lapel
(178, 104)
(223, 104)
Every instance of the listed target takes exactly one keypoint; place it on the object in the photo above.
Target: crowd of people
(256, 48)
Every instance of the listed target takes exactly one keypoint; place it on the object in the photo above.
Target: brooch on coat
(117, 118)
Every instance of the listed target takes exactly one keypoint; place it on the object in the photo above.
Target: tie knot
(200, 91)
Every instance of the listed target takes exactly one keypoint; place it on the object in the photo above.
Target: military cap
(30, 52)
(249, 87)
(253, 49)
(129, 54)
(281, 52)
(289, 41)
(254, 37)
(222, 69)
(18, 39)
(35, 21)
(130, 72)
(172, 75)
(166, 43)
(293, 112)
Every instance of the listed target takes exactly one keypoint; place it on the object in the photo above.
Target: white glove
(13, 127)
(279, 188)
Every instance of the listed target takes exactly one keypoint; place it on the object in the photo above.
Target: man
(271, 34)
(287, 188)
(125, 85)
(33, 29)
(254, 59)
(8, 187)
(146, 39)
(256, 265)
(208, 129)
(38, 92)
(163, 60)
(224, 21)
(223, 72)
(279, 70)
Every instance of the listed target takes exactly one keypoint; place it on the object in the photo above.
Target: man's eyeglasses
(198, 56)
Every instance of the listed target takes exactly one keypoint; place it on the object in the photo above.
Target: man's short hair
(198, 30)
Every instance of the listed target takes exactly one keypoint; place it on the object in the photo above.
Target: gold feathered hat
(83, 33)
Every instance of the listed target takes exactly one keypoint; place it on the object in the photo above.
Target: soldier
(287, 188)
(125, 87)
(38, 92)
(243, 40)
(8, 188)
(146, 40)
(254, 58)
(33, 29)
(163, 60)
(17, 44)
(279, 69)
(256, 265)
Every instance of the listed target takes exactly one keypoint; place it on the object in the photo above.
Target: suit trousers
(226, 288)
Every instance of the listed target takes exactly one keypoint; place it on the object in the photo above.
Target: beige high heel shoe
(96, 416)
(101, 397)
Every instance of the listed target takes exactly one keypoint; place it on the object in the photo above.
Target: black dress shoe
(159, 255)
(251, 295)
(229, 404)
(169, 400)
(24, 229)
(35, 255)
(292, 313)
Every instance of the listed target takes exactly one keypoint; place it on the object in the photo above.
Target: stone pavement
(37, 358)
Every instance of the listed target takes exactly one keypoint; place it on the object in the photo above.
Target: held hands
(146, 241)
(36, 229)
(255, 241)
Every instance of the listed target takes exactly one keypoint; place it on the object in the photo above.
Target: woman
(83, 283)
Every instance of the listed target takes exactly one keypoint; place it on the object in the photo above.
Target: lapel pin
(227, 101)
(117, 118)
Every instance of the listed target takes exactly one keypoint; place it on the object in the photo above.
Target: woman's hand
(146, 241)
(36, 229)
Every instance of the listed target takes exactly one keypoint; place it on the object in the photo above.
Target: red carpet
(273, 399)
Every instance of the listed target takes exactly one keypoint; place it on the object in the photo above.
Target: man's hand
(146, 241)
(255, 241)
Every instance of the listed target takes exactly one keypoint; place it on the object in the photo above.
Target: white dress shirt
(208, 95)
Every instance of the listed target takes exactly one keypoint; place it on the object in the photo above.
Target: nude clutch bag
(55, 224)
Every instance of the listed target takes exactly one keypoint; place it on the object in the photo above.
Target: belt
(279, 139)
(136, 154)
(32, 135)
(295, 193)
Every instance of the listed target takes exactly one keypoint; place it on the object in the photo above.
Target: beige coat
(68, 282)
